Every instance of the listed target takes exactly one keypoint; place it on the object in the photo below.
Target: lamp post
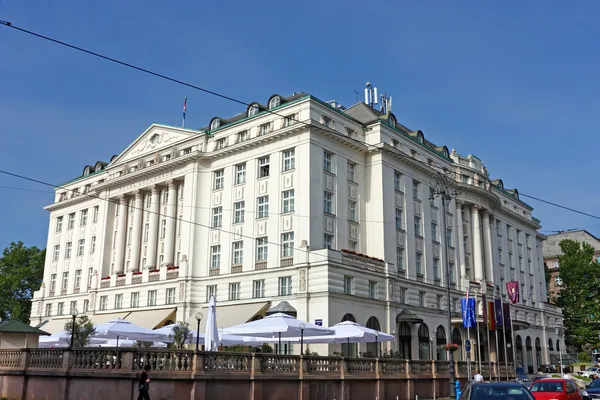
(444, 190)
(199, 317)
(302, 326)
(74, 314)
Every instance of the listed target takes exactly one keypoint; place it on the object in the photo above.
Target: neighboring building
(551, 251)
(325, 207)
(18, 335)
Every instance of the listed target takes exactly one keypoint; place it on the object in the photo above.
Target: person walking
(144, 384)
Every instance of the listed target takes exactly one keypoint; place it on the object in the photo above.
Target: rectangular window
(402, 295)
(220, 143)
(287, 241)
(211, 290)
(129, 235)
(449, 237)
(264, 129)
(89, 277)
(327, 161)
(148, 201)
(400, 259)
(398, 181)
(352, 211)
(152, 297)
(52, 282)
(285, 286)
(118, 301)
(328, 203)
(68, 248)
(465, 178)
(241, 137)
(418, 226)
(163, 229)
(421, 299)
(135, 300)
(240, 174)
(83, 219)
(289, 159)
(373, 289)
(77, 280)
(348, 284)
(170, 296)
(263, 207)
(418, 263)
(289, 120)
(436, 268)
(103, 303)
(71, 221)
(218, 179)
(262, 249)
(234, 291)
(238, 212)
(217, 217)
(146, 232)
(93, 245)
(86, 306)
(56, 254)
(399, 218)
(287, 201)
(328, 241)
(438, 301)
(48, 310)
(80, 247)
(258, 288)
(451, 272)
(351, 172)
(263, 167)
(434, 232)
(61, 308)
(215, 257)
(59, 222)
(238, 253)
(416, 185)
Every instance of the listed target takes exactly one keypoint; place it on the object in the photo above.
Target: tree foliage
(181, 334)
(21, 273)
(579, 296)
(84, 330)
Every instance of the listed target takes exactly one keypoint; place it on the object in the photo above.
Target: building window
(89, 277)
(418, 263)
(234, 291)
(328, 161)
(118, 301)
(434, 232)
(353, 245)
(152, 297)
(241, 136)
(399, 218)
(83, 219)
(348, 284)
(373, 289)
(436, 268)
(165, 194)
(170, 296)
(328, 203)
(59, 222)
(258, 288)
(240, 174)
(285, 286)
(438, 301)
(48, 310)
(263, 207)
(238, 253)
(103, 303)
(217, 217)
(287, 241)
(163, 229)
(416, 185)
(86, 306)
(449, 237)
(146, 232)
(219, 179)
(93, 245)
(238, 212)
(61, 308)
(402, 295)
(77, 280)
(56, 254)
(68, 248)
(71, 221)
(418, 226)
(289, 159)
(211, 290)
(129, 236)
(451, 272)
(52, 282)
(215, 257)
(134, 302)
(264, 129)
(421, 299)
(287, 199)
(352, 210)
(263, 167)
(465, 178)
(289, 120)
(400, 259)
(397, 181)
(351, 172)
(221, 143)
(262, 249)
(328, 241)
(80, 247)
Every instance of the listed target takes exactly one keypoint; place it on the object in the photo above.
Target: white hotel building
(299, 200)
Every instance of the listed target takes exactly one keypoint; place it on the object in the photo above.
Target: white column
(487, 244)
(171, 224)
(477, 261)
(460, 246)
(153, 227)
(121, 235)
(137, 231)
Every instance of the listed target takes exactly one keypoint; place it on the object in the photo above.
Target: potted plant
(451, 347)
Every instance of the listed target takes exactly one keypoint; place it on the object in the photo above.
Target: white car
(590, 371)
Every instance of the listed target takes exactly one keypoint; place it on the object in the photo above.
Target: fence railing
(187, 361)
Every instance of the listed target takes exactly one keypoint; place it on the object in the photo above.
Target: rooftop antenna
(370, 95)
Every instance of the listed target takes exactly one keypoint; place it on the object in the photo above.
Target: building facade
(328, 208)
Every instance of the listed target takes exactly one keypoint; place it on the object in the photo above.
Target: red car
(555, 389)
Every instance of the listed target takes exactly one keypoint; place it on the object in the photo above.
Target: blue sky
(515, 83)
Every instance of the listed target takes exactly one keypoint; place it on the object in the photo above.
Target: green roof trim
(14, 326)
(512, 196)
(78, 178)
(425, 146)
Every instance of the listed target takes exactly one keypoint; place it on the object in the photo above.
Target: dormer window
(215, 124)
(253, 110)
(392, 120)
(275, 102)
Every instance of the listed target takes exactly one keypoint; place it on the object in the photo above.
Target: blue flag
(468, 312)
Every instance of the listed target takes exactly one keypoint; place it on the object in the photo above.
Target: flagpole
(478, 335)
(496, 334)
(504, 341)
(487, 326)
(512, 336)
(184, 111)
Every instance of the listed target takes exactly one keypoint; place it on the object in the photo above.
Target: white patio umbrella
(211, 335)
(224, 340)
(129, 343)
(63, 339)
(121, 329)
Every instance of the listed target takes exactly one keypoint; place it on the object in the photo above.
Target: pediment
(155, 139)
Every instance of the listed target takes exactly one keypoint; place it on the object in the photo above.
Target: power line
(559, 206)
(25, 189)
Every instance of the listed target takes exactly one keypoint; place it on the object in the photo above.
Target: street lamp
(74, 314)
(302, 326)
(199, 317)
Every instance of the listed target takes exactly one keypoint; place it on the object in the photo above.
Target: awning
(228, 316)
(408, 316)
(151, 319)
(56, 325)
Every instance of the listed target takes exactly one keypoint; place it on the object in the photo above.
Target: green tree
(21, 273)
(181, 334)
(579, 296)
(84, 330)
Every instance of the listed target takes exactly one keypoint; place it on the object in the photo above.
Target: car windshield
(595, 384)
(591, 369)
(499, 392)
(541, 386)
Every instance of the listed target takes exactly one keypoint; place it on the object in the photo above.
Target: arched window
(457, 339)
(349, 349)
(519, 349)
(538, 351)
(440, 341)
(557, 345)
(253, 110)
(424, 351)
(274, 102)
(550, 346)
(529, 350)
(373, 348)
(348, 317)
(215, 124)
(404, 341)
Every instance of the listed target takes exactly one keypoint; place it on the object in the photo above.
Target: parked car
(593, 389)
(589, 372)
(496, 391)
(557, 389)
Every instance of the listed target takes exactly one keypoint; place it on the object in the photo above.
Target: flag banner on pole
(484, 308)
(184, 107)
(512, 288)
(506, 312)
(468, 312)
(498, 313)
(491, 317)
